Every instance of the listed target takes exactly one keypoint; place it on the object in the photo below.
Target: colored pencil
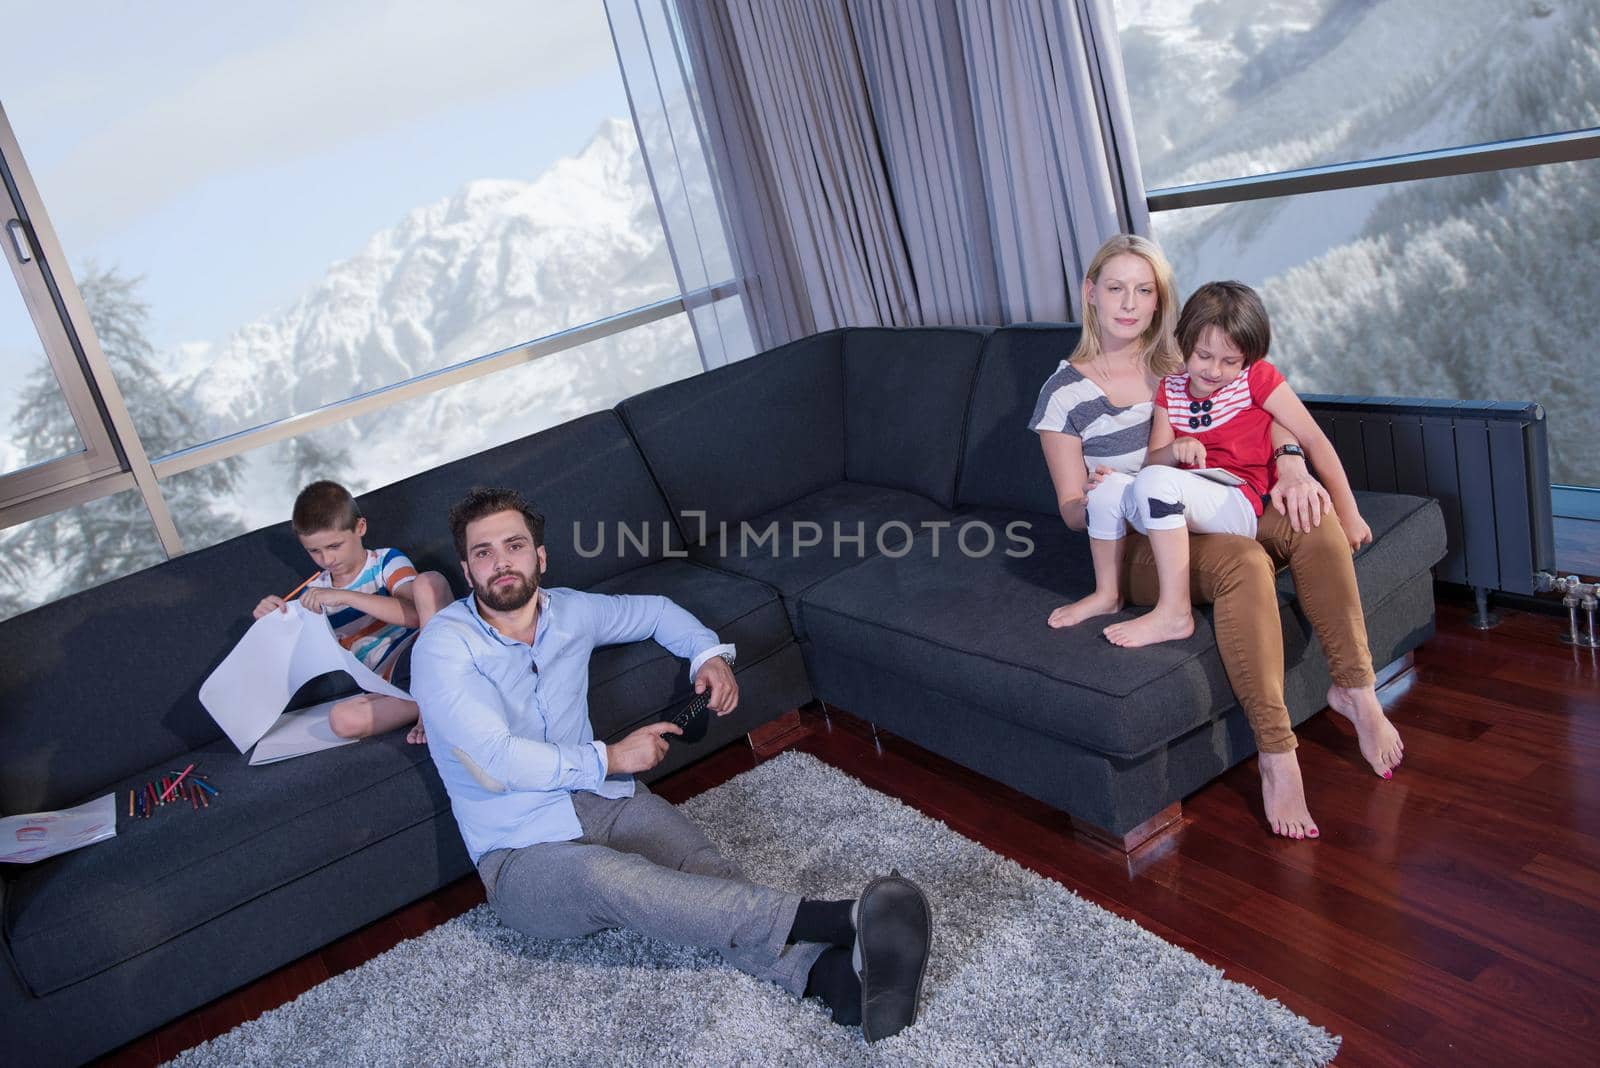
(291, 594)
(179, 779)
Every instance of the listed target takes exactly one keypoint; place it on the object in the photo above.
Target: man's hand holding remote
(716, 676)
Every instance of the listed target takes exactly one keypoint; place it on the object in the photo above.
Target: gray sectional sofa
(731, 486)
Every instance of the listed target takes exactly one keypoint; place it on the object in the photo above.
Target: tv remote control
(692, 718)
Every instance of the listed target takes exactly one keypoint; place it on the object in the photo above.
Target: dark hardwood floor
(1451, 916)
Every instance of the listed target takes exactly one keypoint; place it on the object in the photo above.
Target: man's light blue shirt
(508, 723)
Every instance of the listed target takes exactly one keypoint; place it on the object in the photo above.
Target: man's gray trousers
(643, 865)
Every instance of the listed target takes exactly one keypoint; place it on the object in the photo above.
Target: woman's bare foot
(1151, 628)
(1380, 742)
(1284, 795)
(1096, 604)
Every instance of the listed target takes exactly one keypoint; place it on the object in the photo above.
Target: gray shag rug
(1023, 971)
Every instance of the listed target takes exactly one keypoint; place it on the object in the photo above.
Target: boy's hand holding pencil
(273, 603)
(321, 598)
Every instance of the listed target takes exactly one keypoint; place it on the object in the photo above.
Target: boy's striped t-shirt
(373, 642)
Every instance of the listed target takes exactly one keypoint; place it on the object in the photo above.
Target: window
(307, 207)
(1407, 290)
(28, 386)
(1229, 88)
(273, 233)
(73, 549)
(1473, 285)
(423, 432)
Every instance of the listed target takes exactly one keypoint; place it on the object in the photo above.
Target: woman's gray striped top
(1113, 437)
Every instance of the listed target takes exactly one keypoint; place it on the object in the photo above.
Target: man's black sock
(833, 979)
(823, 921)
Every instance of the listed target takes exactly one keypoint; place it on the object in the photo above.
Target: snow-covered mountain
(498, 263)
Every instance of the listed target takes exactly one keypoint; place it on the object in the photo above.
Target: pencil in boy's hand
(291, 594)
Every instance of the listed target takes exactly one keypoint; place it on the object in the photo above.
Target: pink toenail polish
(1388, 775)
(1313, 833)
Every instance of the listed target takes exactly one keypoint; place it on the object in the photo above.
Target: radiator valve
(1576, 595)
(1587, 602)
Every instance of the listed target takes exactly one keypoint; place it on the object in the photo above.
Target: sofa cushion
(974, 628)
(78, 914)
(752, 548)
(745, 438)
(1386, 562)
(1002, 465)
(627, 681)
(905, 405)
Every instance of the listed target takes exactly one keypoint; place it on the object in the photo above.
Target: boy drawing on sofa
(374, 600)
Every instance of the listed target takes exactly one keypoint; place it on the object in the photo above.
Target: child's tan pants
(1237, 575)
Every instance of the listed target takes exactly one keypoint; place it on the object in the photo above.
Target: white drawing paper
(280, 652)
(37, 835)
(297, 733)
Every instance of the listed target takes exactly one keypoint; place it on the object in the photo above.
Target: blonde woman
(1094, 412)
(1093, 419)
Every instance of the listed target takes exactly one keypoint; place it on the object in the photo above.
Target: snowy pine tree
(112, 536)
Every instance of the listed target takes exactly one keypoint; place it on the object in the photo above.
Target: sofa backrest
(743, 439)
(103, 684)
(1002, 465)
(584, 475)
(905, 402)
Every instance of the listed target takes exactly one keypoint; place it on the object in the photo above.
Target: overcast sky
(231, 153)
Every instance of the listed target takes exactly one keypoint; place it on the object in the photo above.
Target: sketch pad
(280, 653)
(297, 733)
(1217, 474)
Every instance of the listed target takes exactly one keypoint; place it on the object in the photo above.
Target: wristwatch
(1288, 450)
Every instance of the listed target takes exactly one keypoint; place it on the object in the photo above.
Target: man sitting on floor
(566, 842)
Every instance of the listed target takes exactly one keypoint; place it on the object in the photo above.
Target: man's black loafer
(894, 931)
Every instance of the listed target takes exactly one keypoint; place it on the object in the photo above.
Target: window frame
(27, 243)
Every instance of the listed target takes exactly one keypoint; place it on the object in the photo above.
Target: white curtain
(888, 164)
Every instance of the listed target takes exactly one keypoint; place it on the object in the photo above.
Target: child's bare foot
(1152, 628)
(1284, 795)
(1096, 604)
(1380, 742)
